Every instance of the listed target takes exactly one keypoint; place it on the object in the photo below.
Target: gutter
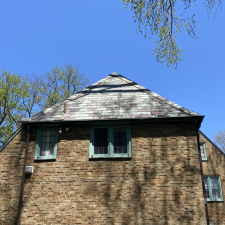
(201, 171)
(23, 176)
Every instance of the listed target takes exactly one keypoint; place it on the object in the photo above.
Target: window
(203, 151)
(46, 143)
(110, 141)
(213, 188)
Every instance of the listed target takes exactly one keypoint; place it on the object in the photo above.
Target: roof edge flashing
(212, 142)
(10, 138)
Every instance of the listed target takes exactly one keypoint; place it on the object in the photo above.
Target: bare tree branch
(219, 139)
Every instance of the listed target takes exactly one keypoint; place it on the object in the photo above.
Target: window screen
(120, 140)
(110, 141)
(202, 151)
(215, 187)
(206, 188)
(47, 143)
(101, 141)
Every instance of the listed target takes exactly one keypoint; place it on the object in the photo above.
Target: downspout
(203, 185)
(23, 177)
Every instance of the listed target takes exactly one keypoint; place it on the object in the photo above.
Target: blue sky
(100, 36)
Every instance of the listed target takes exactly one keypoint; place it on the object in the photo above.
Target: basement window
(110, 141)
(213, 188)
(46, 143)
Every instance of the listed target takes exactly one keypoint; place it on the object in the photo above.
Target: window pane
(42, 153)
(120, 140)
(215, 187)
(52, 136)
(47, 139)
(43, 146)
(206, 188)
(101, 141)
(202, 151)
(47, 146)
(47, 143)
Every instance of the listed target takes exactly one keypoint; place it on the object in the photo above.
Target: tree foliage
(30, 102)
(219, 139)
(59, 84)
(160, 19)
(12, 89)
(23, 97)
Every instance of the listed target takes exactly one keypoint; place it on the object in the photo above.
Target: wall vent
(29, 169)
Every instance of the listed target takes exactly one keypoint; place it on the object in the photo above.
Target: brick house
(114, 153)
(213, 161)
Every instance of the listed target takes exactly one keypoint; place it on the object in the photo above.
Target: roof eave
(197, 118)
(10, 138)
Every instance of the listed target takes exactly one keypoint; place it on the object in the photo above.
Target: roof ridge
(78, 95)
(159, 97)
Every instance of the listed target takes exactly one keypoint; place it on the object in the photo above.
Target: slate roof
(113, 97)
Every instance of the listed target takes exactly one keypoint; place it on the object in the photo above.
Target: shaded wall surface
(11, 166)
(160, 184)
(215, 165)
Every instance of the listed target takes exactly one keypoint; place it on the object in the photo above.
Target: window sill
(122, 158)
(45, 159)
(219, 200)
(204, 160)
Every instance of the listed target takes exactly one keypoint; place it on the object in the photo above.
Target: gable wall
(11, 166)
(161, 184)
(215, 165)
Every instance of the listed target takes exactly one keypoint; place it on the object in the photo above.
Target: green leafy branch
(160, 17)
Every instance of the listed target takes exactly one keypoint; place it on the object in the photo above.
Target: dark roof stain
(113, 97)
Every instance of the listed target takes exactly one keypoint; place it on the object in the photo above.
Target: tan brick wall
(161, 184)
(215, 165)
(11, 165)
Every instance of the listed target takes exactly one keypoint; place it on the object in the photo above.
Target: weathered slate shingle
(114, 97)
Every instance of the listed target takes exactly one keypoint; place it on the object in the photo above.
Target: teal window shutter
(46, 142)
(117, 145)
(203, 151)
(213, 188)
